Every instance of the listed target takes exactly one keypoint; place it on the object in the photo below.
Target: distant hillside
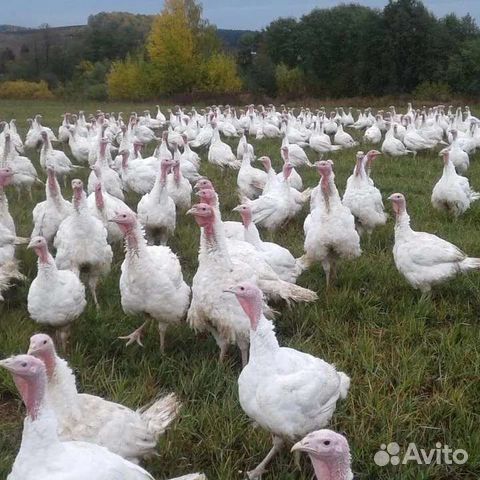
(11, 28)
(14, 37)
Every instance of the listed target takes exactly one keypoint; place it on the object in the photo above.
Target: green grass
(414, 364)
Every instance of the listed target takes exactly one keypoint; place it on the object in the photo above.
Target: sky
(233, 14)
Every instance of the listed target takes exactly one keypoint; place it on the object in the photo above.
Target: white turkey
(329, 453)
(278, 257)
(320, 142)
(54, 158)
(42, 454)
(151, 282)
(457, 156)
(9, 268)
(244, 147)
(280, 204)
(287, 392)
(219, 263)
(56, 297)
(423, 258)
(136, 174)
(220, 153)
(208, 195)
(344, 139)
(111, 181)
(296, 155)
(452, 193)
(88, 418)
(79, 145)
(294, 179)
(415, 142)
(6, 178)
(373, 134)
(49, 214)
(34, 135)
(24, 173)
(331, 234)
(104, 206)
(156, 209)
(393, 146)
(363, 199)
(178, 187)
(81, 242)
(250, 181)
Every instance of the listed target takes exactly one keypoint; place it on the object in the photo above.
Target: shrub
(126, 80)
(290, 81)
(436, 91)
(21, 89)
(220, 75)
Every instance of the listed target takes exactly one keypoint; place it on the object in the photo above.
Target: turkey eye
(24, 364)
(326, 442)
(242, 289)
(44, 342)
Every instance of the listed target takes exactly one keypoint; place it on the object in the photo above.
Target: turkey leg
(260, 469)
(136, 335)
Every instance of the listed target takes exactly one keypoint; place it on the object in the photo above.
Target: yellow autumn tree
(220, 75)
(172, 53)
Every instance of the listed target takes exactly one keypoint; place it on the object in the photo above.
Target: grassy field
(414, 363)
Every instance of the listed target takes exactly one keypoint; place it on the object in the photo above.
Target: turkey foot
(136, 335)
(260, 469)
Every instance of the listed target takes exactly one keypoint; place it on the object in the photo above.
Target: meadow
(414, 362)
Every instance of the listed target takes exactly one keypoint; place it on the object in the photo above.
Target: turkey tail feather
(161, 414)
(469, 263)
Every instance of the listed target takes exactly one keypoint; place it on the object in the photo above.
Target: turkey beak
(30, 245)
(298, 447)
(229, 290)
(7, 363)
(237, 208)
(190, 212)
(390, 198)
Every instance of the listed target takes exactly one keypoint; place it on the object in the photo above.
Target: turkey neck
(46, 263)
(61, 387)
(160, 187)
(335, 470)
(251, 234)
(402, 224)
(213, 241)
(134, 241)
(263, 342)
(449, 169)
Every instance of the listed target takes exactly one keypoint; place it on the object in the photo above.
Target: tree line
(348, 50)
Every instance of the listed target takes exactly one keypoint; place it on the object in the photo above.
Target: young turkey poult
(331, 234)
(287, 392)
(42, 455)
(56, 297)
(151, 282)
(452, 193)
(81, 242)
(423, 258)
(363, 199)
(329, 453)
(88, 418)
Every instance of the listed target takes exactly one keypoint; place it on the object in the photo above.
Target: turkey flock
(241, 279)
